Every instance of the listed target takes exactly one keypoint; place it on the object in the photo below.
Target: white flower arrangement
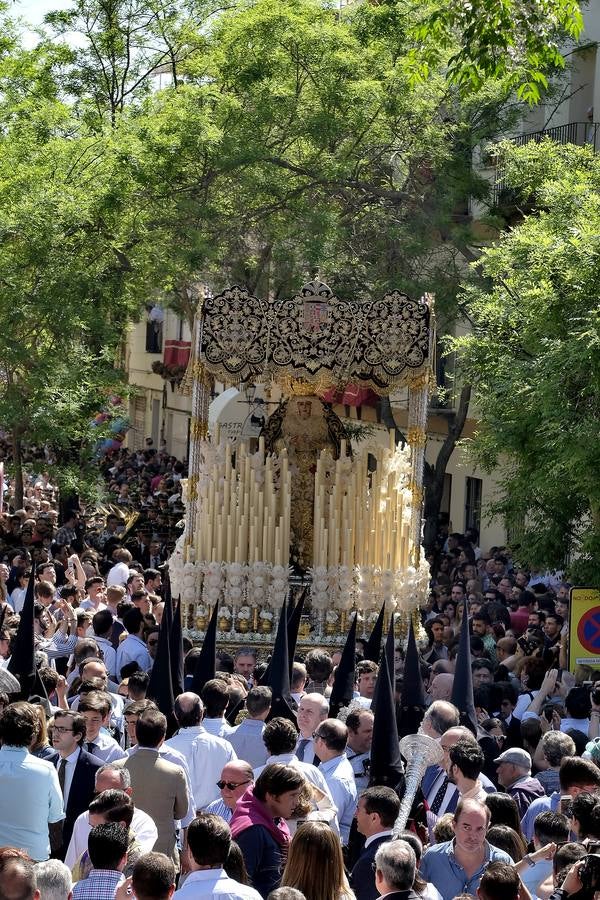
(343, 587)
(176, 564)
(201, 610)
(224, 612)
(278, 586)
(319, 591)
(244, 612)
(266, 614)
(332, 617)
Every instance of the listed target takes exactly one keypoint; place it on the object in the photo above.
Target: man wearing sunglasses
(236, 778)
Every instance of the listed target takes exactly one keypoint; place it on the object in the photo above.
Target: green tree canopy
(518, 40)
(66, 285)
(534, 359)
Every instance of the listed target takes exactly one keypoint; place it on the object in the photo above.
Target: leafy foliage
(175, 143)
(519, 40)
(534, 358)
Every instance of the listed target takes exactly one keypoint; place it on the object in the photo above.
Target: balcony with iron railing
(579, 133)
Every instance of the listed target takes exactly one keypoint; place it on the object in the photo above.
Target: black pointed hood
(22, 661)
(206, 664)
(386, 761)
(462, 687)
(175, 641)
(373, 645)
(160, 688)
(388, 652)
(413, 701)
(293, 626)
(279, 672)
(343, 681)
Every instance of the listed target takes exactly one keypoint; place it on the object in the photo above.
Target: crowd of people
(105, 793)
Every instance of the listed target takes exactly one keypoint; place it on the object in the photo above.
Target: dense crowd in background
(102, 796)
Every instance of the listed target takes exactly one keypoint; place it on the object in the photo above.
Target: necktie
(62, 770)
(301, 748)
(91, 747)
(437, 800)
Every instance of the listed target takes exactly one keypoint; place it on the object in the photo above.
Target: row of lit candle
(362, 520)
(244, 515)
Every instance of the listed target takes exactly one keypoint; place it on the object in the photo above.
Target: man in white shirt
(246, 739)
(280, 738)
(359, 723)
(133, 648)
(205, 754)
(102, 624)
(466, 761)
(312, 709)
(120, 571)
(95, 668)
(95, 599)
(95, 708)
(110, 777)
(299, 678)
(215, 696)
(331, 738)
(208, 844)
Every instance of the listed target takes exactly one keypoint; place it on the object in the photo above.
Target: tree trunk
(18, 467)
(434, 474)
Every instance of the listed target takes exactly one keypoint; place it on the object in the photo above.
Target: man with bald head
(441, 665)
(439, 717)
(206, 754)
(440, 688)
(331, 737)
(312, 709)
(446, 801)
(95, 668)
(236, 778)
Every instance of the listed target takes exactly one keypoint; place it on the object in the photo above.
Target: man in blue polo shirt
(456, 867)
(30, 793)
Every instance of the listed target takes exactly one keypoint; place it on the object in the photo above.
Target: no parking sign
(584, 628)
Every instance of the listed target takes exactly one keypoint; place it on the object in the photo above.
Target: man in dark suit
(76, 773)
(140, 546)
(395, 867)
(375, 816)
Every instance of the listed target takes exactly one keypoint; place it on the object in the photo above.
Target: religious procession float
(305, 505)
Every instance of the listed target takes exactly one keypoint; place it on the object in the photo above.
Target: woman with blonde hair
(315, 864)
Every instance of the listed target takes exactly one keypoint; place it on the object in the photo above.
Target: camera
(596, 696)
(589, 873)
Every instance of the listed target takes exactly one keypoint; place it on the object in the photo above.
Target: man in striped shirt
(236, 778)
